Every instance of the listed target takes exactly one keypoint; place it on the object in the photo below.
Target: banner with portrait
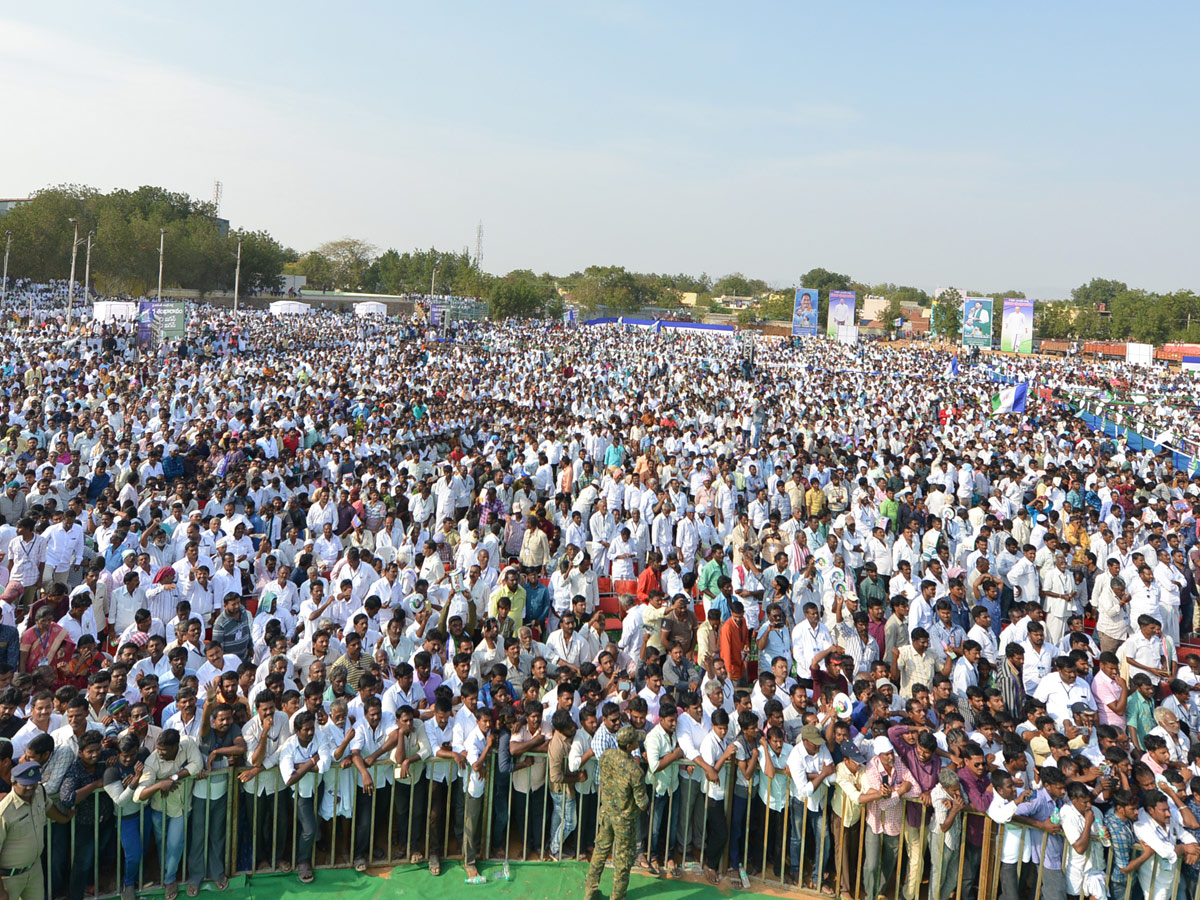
(977, 322)
(1016, 329)
(804, 313)
(841, 311)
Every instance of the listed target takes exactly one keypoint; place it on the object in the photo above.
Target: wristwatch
(175, 777)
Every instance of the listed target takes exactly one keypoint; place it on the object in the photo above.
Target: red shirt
(648, 581)
(731, 644)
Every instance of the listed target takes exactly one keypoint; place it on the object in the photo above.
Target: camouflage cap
(627, 736)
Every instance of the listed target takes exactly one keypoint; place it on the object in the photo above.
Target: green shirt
(708, 577)
(1139, 715)
(891, 510)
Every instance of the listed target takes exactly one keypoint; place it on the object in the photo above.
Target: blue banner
(804, 313)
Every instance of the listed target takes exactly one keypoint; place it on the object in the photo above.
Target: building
(12, 203)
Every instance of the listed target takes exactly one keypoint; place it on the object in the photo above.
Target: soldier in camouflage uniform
(622, 788)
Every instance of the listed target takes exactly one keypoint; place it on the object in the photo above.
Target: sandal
(221, 883)
(652, 867)
(305, 874)
(171, 891)
(676, 870)
(435, 866)
(193, 890)
(711, 876)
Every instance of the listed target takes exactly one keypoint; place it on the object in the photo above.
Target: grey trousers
(943, 867)
(879, 861)
(691, 816)
(1010, 888)
(206, 840)
(472, 829)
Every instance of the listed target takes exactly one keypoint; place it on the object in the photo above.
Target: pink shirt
(884, 816)
(1106, 691)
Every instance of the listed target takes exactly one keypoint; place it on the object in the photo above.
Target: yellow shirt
(517, 598)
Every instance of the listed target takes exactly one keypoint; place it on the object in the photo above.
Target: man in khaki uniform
(22, 835)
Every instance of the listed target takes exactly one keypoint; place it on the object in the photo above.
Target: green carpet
(530, 881)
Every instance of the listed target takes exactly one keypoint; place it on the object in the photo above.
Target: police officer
(623, 797)
(22, 835)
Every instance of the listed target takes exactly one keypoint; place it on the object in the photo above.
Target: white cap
(882, 745)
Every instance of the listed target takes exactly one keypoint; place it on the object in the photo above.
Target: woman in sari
(47, 644)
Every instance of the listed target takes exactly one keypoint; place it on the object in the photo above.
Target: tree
(415, 271)
(1099, 292)
(779, 306)
(349, 260)
(520, 294)
(314, 266)
(738, 285)
(263, 259)
(127, 226)
(946, 320)
(618, 289)
(892, 312)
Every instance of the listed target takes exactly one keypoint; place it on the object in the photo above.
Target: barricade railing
(232, 822)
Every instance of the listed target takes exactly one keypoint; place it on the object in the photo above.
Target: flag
(1011, 399)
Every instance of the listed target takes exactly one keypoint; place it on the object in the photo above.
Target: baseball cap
(852, 752)
(812, 734)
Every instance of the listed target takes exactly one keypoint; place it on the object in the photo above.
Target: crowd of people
(799, 610)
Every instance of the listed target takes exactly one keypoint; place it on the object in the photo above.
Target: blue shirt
(1040, 807)
(485, 694)
(778, 643)
(537, 601)
(1120, 831)
(993, 608)
(960, 615)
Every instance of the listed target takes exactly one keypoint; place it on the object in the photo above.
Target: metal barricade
(227, 823)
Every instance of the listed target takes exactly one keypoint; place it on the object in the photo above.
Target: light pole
(71, 285)
(162, 241)
(87, 266)
(237, 276)
(4, 281)
(432, 279)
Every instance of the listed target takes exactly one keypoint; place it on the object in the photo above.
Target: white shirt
(800, 765)
(711, 749)
(807, 642)
(573, 652)
(1059, 696)
(690, 735)
(291, 756)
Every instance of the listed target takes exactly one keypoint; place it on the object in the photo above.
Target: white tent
(290, 308)
(114, 310)
(370, 308)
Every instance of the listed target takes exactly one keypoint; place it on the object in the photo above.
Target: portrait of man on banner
(804, 313)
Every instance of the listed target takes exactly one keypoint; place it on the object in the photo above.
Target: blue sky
(993, 147)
